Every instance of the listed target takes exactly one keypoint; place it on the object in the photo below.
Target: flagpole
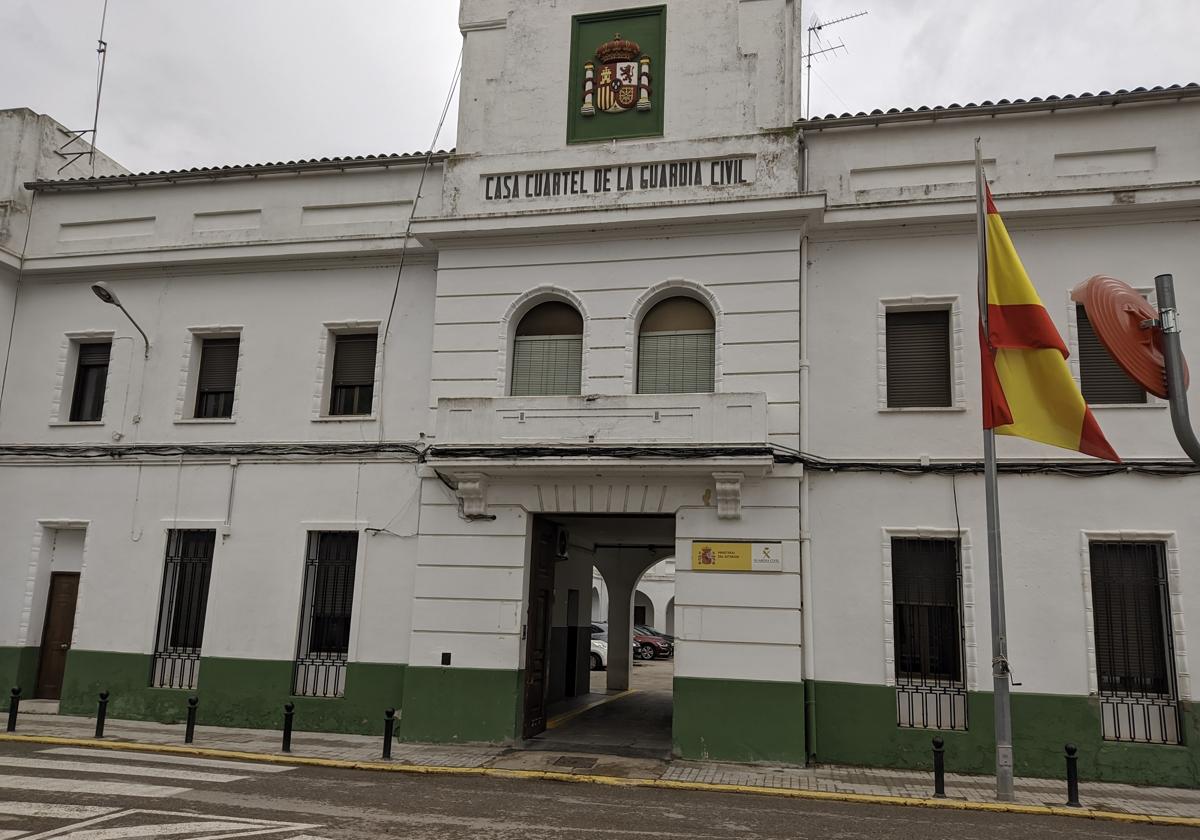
(1000, 669)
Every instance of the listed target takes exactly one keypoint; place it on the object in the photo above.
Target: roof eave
(1173, 93)
(247, 171)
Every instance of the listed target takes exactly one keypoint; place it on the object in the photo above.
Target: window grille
(217, 377)
(918, 359)
(1101, 379)
(546, 365)
(91, 375)
(182, 605)
(677, 362)
(928, 632)
(1135, 655)
(324, 639)
(353, 384)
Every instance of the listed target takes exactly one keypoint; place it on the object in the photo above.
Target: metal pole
(101, 714)
(189, 733)
(289, 711)
(1173, 352)
(1000, 679)
(389, 723)
(14, 705)
(1072, 776)
(939, 768)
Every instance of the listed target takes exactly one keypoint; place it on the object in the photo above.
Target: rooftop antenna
(77, 136)
(814, 30)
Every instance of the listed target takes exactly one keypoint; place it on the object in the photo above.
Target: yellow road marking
(615, 781)
(574, 713)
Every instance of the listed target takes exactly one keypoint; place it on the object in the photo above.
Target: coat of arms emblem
(620, 81)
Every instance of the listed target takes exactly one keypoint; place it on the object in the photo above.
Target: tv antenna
(814, 31)
(77, 136)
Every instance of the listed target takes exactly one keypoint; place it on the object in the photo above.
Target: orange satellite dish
(1117, 311)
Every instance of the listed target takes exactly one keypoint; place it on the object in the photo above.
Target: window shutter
(546, 365)
(676, 362)
(1101, 379)
(918, 359)
(1128, 589)
(354, 359)
(218, 364)
(96, 353)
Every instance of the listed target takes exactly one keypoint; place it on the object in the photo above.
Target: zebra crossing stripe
(50, 785)
(115, 769)
(12, 835)
(149, 758)
(154, 824)
(48, 810)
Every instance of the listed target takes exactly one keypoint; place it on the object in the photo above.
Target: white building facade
(393, 411)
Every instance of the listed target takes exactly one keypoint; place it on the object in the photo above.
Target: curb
(613, 781)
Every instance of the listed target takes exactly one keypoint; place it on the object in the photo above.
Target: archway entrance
(594, 683)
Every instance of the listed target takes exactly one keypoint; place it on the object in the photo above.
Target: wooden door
(56, 634)
(537, 627)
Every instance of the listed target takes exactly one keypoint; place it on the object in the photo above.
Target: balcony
(641, 419)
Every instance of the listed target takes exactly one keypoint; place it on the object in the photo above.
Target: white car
(599, 654)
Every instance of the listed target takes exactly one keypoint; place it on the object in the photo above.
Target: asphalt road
(78, 794)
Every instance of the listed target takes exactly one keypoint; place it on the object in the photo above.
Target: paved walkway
(553, 755)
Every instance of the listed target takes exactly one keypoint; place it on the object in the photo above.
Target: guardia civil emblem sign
(616, 75)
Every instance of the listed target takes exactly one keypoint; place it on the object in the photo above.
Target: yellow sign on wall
(718, 556)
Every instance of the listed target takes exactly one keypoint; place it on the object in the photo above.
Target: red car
(652, 647)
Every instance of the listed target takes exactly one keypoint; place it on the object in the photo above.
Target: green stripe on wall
(232, 692)
(856, 724)
(461, 704)
(738, 720)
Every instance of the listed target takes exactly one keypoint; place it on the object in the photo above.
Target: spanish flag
(1028, 390)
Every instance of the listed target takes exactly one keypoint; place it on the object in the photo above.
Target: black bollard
(289, 711)
(13, 705)
(939, 768)
(101, 714)
(190, 733)
(389, 724)
(1072, 776)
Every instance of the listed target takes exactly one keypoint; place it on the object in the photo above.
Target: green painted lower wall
(461, 704)
(18, 669)
(232, 692)
(738, 720)
(856, 724)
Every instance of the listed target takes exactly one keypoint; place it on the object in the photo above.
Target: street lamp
(107, 295)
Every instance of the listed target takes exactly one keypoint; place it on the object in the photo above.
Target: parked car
(653, 647)
(599, 655)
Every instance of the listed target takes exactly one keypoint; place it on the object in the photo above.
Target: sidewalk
(1100, 800)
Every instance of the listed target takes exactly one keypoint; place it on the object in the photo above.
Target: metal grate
(324, 638)
(1135, 655)
(928, 626)
(681, 362)
(918, 359)
(182, 605)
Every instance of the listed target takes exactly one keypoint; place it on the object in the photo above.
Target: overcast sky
(206, 82)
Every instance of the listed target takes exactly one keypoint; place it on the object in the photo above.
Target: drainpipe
(806, 606)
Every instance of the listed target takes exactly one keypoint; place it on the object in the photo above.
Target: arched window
(548, 351)
(677, 348)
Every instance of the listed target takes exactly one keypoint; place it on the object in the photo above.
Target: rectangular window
(927, 625)
(1135, 656)
(217, 377)
(1101, 379)
(546, 365)
(679, 362)
(324, 639)
(353, 384)
(91, 375)
(918, 359)
(181, 608)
